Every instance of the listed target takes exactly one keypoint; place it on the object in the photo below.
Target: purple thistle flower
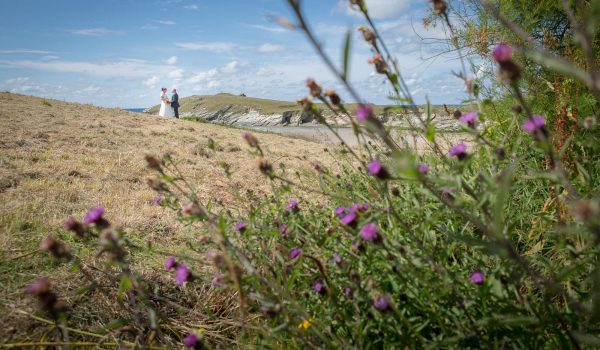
(369, 232)
(382, 302)
(170, 263)
(292, 206)
(294, 253)
(447, 191)
(340, 211)
(364, 112)
(469, 119)
(190, 341)
(319, 287)
(337, 258)
(41, 286)
(70, 224)
(502, 53)
(477, 277)
(157, 200)
(283, 229)
(374, 167)
(537, 122)
(240, 226)
(360, 207)
(459, 151)
(348, 292)
(349, 219)
(94, 215)
(423, 168)
(182, 274)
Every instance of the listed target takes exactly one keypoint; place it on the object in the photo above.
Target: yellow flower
(306, 324)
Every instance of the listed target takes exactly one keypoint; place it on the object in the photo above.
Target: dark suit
(175, 104)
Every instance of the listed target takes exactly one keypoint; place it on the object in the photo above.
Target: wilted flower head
(250, 139)
(333, 97)
(315, 89)
(75, 226)
(39, 287)
(157, 185)
(459, 151)
(364, 112)
(375, 168)
(502, 53)
(380, 65)
(170, 263)
(241, 226)
(193, 209)
(294, 253)
(58, 249)
(182, 274)
(153, 162)
(190, 341)
(306, 104)
(382, 302)
(477, 277)
(423, 168)
(94, 215)
(439, 6)
(292, 206)
(469, 119)
(265, 167)
(368, 34)
(369, 232)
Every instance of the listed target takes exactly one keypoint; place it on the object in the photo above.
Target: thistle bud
(157, 185)
(315, 89)
(153, 162)
(250, 139)
(380, 65)
(439, 6)
(265, 167)
(368, 35)
(58, 249)
(306, 104)
(333, 97)
(193, 209)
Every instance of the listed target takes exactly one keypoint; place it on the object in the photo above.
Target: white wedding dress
(165, 108)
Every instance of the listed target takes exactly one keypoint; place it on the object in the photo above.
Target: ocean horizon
(137, 110)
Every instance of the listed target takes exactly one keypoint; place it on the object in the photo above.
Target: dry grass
(59, 159)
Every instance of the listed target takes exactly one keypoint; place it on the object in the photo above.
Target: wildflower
(217, 279)
(170, 263)
(369, 232)
(94, 215)
(306, 104)
(368, 35)
(157, 185)
(182, 274)
(191, 341)
(75, 226)
(348, 292)
(56, 248)
(283, 229)
(336, 258)
(241, 226)
(304, 325)
(340, 211)
(349, 219)
(502, 53)
(192, 209)
(333, 97)
(364, 113)
(315, 89)
(459, 151)
(294, 253)
(380, 65)
(447, 192)
(375, 168)
(157, 200)
(423, 168)
(47, 299)
(319, 287)
(292, 206)
(477, 277)
(39, 287)
(469, 119)
(153, 162)
(361, 207)
(265, 167)
(250, 139)
(382, 302)
(536, 126)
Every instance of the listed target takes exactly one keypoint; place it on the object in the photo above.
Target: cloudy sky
(119, 53)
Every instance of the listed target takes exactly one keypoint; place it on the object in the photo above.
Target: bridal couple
(169, 107)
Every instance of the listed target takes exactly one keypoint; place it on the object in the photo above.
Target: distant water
(137, 110)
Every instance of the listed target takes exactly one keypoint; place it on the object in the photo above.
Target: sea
(137, 110)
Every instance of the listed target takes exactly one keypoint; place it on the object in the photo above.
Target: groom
(175, 102)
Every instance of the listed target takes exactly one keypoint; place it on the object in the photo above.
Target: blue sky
(119, 53)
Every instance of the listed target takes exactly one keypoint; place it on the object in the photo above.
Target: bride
(165, 105)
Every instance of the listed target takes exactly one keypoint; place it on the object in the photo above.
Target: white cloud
(128, 68)
(167, 22)
(176, 74)
(272, 29)
(217, 47)
(151, 82)
(95, 31)
(270, 48)
(148, 27)
(213, 84)
(191, 7)
(230, 67)
(377, 8)
(25, 51)
(171, 60)
(203, 76)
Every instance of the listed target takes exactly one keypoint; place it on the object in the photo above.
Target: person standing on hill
(175, 102)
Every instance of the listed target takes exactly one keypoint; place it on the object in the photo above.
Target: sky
(119, 53)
